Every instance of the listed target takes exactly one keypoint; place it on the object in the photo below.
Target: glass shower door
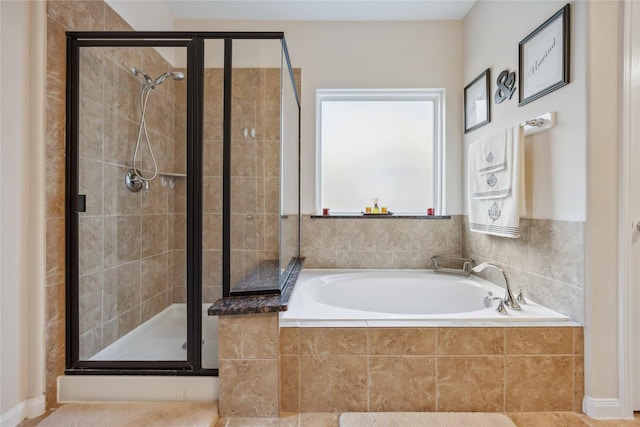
(212, 189)
(131, 205)
(255, 166)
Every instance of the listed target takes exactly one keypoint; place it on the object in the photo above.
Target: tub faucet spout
(509, 299)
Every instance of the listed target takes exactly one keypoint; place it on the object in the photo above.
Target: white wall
(601, 231)
(572, 169)
(22, 62)
(13, 203)
(556, 160)
(368, 55)
(148, 15)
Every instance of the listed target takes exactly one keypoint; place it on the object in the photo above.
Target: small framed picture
(544, 58)
(477, 108)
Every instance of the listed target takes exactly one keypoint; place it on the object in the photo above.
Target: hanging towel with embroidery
(497, 199)
(496, 183)
(491, 155)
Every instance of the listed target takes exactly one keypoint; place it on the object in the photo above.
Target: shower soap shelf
(452, 265)
(173, 174)
(161, 173)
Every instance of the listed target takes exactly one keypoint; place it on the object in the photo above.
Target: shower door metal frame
(194, 43)
(193, 363)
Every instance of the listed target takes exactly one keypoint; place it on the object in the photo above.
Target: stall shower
(180, 187)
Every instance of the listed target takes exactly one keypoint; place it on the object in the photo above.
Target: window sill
(394, 216)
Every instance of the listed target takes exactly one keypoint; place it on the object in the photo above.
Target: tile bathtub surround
(526, 369)
(378, 243)
(249, 351)
(547, 262)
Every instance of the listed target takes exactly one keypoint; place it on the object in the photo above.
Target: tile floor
(520, 419)
(425, 419)
(129, 414)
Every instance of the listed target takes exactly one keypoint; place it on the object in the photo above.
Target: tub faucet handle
(488, 302)
(520, 297)
(509, 299)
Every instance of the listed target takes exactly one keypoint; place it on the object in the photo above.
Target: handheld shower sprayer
(134, 179)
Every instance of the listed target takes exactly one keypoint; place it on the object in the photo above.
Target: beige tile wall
(431, 369)
(249, 350)
(378, 242)
(547, 261)
(61, 16)
(212, 192)
(255, 169)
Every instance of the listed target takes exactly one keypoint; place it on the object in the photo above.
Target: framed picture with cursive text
(544, 58)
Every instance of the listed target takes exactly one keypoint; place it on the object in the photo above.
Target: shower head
(137, 73)
(175, 75)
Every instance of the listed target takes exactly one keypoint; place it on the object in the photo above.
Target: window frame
(435, 95)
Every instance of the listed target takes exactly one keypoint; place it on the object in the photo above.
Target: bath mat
(134, 414)
(424, 419)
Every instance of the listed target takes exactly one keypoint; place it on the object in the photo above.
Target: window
(378, 143)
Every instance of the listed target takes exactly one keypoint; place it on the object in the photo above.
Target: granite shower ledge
(255, 304)
(248, 305)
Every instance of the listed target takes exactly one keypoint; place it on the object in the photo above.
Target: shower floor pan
(163, 337)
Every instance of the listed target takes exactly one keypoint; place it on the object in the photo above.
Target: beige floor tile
(425, 419)
(611, 423)
(248, 422)
(134, 414)
(320, 419)
(547, 419)
(33, 422)
(289, 420)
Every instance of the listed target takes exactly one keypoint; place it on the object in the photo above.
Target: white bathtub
(163, 337)
(386, 297)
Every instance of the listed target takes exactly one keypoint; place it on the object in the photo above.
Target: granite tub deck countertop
(264, 279)
(252, 304)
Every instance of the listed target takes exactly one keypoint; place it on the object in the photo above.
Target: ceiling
(319, 10)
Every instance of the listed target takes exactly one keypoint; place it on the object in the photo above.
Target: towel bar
(540, 123)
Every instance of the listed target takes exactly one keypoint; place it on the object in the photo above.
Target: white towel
(496, 183)
(491, 155)
(500, 216)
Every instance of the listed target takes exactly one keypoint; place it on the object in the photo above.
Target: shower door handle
(81, 203)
